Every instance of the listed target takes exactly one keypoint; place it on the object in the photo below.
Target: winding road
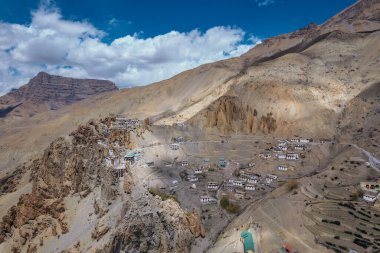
(373, 161)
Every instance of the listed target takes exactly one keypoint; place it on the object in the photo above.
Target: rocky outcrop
(50, 92)
(160, 226)
(58, 90)
(73, 169)
(68, 166)
(229, 115)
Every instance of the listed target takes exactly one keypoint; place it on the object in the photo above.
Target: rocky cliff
(50, 92)
(76, 199)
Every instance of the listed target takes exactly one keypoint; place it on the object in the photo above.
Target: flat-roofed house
(252, 180)
(238, 183)
(212, 186)
(174, 146)
(299, 147)
(228, 186)
(208, 199)
(198, 171)
(193, 178)
(292, 156)
(249, 187)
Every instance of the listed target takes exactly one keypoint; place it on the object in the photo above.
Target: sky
(142, 41)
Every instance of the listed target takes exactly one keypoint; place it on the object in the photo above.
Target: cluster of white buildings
(300, 140)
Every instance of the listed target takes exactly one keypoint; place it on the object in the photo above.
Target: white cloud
(72, 48)
(261, 3)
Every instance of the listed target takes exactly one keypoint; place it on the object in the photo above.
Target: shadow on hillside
(4, 111)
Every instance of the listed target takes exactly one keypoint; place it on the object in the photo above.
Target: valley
(273, 151)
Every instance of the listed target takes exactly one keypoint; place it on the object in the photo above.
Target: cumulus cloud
(75, 48)
(261, 3)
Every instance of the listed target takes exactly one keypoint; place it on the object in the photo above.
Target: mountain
(321, 82)
(50, 92)
(300, 81)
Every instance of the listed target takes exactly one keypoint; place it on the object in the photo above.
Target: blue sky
(136, 42)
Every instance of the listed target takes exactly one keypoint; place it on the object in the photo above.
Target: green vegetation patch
(230, 207)
(163, 195)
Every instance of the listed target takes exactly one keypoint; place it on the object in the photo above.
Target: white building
(252, 180)
(292, 156)
(283, 148)
(268, 180)
(272, 176)
(294, 140)
(212, 186)
(184, 163)
(249, 187)
(282, 143)
(192, 178)
(281, 156)
(369, 198)
(282, 168)
(238, 183)
(119, 170)
(304, 140)
(110, 152)
(208, 199)
(299, 147)
(109, 162)
(174, 146)
(198, 171)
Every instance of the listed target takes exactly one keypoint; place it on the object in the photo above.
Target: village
(218, 178)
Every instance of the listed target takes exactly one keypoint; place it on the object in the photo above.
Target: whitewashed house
(282, 168)
(184, 163)
(174, 146)
(208, 199)
(268, 180)
(249, 187)
(238, 183)
(252, 180)
(212, 186)
(193, 178)
(369, 198)
(281, 156)
(198, 171)
(228, 186)
(299, 147)
(292, 156)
